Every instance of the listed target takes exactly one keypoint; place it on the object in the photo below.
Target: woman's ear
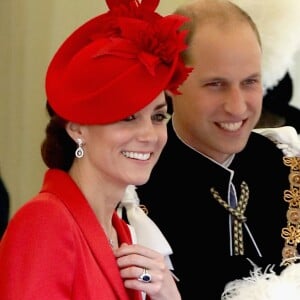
(74, 131)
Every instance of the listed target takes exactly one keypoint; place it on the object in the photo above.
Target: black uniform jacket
(179, 201)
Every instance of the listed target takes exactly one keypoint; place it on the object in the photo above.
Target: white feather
(266, 285)
(278, 23)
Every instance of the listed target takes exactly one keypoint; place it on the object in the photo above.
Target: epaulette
(287, 139)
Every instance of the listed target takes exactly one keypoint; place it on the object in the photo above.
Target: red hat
(117, 63)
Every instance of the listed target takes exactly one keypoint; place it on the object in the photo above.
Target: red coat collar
(61, 184)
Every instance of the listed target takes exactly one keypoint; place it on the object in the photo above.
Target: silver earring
(79, 151)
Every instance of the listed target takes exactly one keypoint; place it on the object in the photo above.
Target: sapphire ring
(145, 276)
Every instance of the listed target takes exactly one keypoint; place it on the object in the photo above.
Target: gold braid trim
(238, 216)
(291, 233)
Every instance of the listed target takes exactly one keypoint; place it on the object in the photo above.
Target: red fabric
(54, 248)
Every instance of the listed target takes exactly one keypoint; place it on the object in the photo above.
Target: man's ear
(74, 130)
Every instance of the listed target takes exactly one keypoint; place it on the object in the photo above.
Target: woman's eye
(158, 117)
(129, 118)
(161, 117)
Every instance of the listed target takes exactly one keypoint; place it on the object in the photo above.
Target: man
(212, 152)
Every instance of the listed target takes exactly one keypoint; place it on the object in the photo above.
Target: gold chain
(291, 233)
(238, 216)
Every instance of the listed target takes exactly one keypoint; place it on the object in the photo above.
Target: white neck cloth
(146, 232)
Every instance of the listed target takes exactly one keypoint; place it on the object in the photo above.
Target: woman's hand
(134, 260)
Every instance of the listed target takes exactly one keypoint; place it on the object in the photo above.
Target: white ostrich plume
(278, 23)
(266, 285)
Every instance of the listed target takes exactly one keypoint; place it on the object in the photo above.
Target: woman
(105, 89)
(4, 206)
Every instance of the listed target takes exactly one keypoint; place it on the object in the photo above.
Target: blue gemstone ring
(145, 276)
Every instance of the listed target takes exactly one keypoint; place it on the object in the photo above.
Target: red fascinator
(117, 63)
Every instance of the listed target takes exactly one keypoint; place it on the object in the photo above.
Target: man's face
(221, 100)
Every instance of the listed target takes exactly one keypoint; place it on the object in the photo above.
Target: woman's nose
(147, 131)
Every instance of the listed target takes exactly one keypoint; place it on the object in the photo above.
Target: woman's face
(126, 151)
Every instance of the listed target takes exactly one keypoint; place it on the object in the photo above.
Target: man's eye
(251, 82)
(161, 117)
(215, 84)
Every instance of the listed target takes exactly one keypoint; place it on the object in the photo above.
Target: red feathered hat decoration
(117, 63)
